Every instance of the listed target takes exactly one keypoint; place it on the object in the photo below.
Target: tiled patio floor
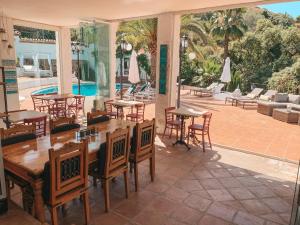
(245, 129)
(217, 187)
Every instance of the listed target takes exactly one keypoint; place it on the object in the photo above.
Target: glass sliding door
(95, 58)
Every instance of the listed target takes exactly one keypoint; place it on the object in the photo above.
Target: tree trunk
(153, 69)
(226, 47)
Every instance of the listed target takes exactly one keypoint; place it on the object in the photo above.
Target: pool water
(86, 89)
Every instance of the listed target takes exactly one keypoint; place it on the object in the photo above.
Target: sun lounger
(206, 91)
(250, 98)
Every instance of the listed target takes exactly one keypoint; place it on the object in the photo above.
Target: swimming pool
(86, 89)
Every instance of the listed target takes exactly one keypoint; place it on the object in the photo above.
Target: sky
(291, 8)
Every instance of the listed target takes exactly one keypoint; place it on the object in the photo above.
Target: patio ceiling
(70, 12)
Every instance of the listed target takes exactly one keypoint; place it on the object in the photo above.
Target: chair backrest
(79, 101)
(37, 101)
(256, 91)
(145, 135)
(97, 116)
(140, 109)
(271, 93)
(218, 88)
(117, 151)
(40, 124)
(206, 121)
(68, 171)
(108, 106)
(62, 124)
(212, 85)
(168, 115)
(17, 133)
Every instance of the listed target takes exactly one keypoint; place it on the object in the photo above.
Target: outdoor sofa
(281, 100)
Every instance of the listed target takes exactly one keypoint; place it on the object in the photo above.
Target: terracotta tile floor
(218, 187)
(245, 129)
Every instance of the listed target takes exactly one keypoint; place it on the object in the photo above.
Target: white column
(113, 27)
(64, 60)
(8, 54)
(168, 33)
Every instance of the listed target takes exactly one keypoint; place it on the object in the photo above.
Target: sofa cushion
(281, 97)
(295, 99)
(295, 106)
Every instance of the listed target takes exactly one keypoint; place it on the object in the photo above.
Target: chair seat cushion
(99, 119)
(65, 127)
(196, 127)
(17, 139)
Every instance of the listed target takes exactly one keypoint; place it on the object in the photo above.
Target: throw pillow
(281, 97)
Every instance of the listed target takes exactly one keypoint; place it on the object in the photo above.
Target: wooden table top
(55, 97)
(124, 103)
(187, 112)
(16, 117)
(32, 155)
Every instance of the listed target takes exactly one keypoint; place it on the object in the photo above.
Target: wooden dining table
(183, 113)
(55, 97)
(26, 160)
(19, 116)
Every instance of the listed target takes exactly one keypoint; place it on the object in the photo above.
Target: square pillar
(113, 28)
(8, 54)
(168, 33)
(64, 60)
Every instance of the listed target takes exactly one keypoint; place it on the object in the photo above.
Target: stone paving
(218, 187)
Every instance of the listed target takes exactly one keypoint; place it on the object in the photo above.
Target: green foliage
(283, 20)
(33, 33)
(287, 80)
(235, 82)
(143, 63)
(298, 19)
(209, 72)
(142, 35)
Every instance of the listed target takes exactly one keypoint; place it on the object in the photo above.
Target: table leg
(38, 201)
(181, 139)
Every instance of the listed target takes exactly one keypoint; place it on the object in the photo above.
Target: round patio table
(184, 113)
(120, 104)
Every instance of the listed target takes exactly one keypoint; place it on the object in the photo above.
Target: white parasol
(134, 76)
(226, 74)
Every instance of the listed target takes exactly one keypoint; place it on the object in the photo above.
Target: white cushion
(264, 98)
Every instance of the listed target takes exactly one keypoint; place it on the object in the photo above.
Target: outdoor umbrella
(134, 76)
(226, 75)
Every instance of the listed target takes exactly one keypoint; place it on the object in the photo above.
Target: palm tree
(142, 35)
(228, 25)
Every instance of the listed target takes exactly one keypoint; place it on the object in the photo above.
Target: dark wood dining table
(26, 160)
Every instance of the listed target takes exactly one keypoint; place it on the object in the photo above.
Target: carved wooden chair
(200, 129)
(17, 133)
(76, 105)
(109, 109)
(66, 178)
(40, 124)
(63, 124)
(171, 122)
(97, 117)
(39, 104)
(143, 148)
(113, 160)
(137, 113)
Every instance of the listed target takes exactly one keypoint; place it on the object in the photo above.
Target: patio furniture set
(54, 168)
(284, 107)
(175, 120)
